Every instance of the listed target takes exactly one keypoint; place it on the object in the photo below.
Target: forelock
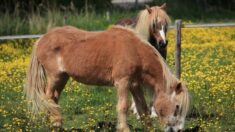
(159, 15)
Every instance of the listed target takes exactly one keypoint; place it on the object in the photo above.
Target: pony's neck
(156, 79)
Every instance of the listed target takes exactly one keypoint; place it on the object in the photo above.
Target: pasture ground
(208, 68)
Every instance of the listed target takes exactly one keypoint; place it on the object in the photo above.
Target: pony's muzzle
(171, 129)
(163, 44)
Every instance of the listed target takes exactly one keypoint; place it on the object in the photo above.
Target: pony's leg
(55, 85)
(122, 106)
(141, 105)
(153, 111)
(61, 84)
(134, 109)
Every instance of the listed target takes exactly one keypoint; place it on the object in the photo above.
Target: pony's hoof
(123, 129)
(137, 116)
(57, 124)
(153, 115)
(126, 129)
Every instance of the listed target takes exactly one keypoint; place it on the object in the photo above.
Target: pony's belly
(93, 76)
(93, 81)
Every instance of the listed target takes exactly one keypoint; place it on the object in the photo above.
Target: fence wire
(209, 25)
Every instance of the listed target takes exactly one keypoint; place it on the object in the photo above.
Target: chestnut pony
(104, 58)
(152, 25)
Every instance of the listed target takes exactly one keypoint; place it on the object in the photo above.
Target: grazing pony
(104, 58)
(152, 25)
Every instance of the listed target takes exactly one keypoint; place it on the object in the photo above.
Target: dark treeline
(37, 16)
(30, 6)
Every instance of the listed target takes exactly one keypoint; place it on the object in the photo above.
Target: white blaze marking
(162, 33)
(173, 95)
(60, 64)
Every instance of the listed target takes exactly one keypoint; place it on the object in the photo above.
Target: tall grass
(44, 18)
(39, 23)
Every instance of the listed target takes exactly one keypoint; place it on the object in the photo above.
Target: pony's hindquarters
(35, 87)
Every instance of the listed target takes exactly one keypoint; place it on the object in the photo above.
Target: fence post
(178, 25)
(86, 8)
(136, 4)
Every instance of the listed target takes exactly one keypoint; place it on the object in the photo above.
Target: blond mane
(146, 20)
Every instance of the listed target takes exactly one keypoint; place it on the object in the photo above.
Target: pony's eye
(154, 27)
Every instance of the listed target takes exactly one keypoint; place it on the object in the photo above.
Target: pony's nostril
(166, 42)
(171, 129)
(162, 44)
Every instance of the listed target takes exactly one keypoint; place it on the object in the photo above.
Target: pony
(104, 58)
(152, 24)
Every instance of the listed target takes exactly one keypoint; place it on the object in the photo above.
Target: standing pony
(104, 58)
(152, 25)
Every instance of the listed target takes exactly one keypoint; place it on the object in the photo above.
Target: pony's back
(116, 49)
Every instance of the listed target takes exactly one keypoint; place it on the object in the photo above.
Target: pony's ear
(148, 9)
(178, 88)
(163, 6)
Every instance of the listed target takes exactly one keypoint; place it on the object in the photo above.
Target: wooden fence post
(178, 25)
(86, 8)
(136, 4)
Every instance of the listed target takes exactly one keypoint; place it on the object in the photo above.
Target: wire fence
(10, 37)
(178, 26)
(209, 25)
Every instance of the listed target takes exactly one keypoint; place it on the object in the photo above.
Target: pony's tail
(35, 87)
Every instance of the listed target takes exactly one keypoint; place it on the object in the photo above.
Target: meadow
(208, 68)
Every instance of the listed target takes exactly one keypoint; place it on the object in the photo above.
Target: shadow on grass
(111, 127)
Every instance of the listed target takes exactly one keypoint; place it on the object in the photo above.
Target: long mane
(146, 20)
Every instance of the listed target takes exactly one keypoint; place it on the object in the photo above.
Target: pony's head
(153, 24)
(173, 107)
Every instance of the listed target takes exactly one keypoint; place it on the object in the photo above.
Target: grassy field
(208, 68)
